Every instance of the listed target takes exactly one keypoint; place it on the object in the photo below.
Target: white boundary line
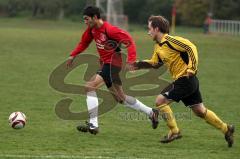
(62, 156)
(51, 156)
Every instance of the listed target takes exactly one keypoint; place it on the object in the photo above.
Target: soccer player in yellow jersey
(181, 58)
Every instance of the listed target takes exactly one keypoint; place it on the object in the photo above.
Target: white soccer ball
(17, 120)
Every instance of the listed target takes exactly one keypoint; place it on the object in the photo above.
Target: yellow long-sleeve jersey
(177, 53)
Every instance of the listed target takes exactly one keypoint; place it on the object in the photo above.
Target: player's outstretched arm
(82, 45)
(155, 62)
(146, 65)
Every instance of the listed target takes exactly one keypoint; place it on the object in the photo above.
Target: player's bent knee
(199, 110)
(160, 100)
(89, 87)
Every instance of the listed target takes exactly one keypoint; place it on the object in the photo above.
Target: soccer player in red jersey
(110, 61)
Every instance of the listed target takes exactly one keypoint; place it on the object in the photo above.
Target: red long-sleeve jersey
(104, 36)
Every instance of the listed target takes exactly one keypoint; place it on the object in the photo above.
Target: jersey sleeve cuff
(191, 71)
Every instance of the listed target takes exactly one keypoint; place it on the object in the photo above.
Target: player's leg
(178, 90)
(114, 84)
(129, 101)
(91, 86)
(92, 101)
(210, 117)
(195, 101)
(201, 111)
(162, 103)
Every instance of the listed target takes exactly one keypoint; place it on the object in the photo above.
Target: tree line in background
(49, 9)
(189, 12)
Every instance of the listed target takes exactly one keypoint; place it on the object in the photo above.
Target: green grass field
(31, 49)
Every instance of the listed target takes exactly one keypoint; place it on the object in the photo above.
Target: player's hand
(70, 61)
(135, 65)
(130, 67)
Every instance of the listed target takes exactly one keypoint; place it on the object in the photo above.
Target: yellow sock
(168, 116)
(215, 121)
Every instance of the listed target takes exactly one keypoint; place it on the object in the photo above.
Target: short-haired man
(110, 65)
(181, 57)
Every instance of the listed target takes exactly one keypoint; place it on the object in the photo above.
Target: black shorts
(185, 89)
(110, 74)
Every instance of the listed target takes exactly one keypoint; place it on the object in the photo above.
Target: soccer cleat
(154, 118)
(170, 137)
(88, 127)
(229, 135)
(93, 130)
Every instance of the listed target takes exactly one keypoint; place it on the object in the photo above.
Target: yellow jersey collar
(163, 38)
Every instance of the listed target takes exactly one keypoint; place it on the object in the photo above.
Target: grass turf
(31, 49)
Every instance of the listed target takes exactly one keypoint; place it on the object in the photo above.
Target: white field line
(62, 157)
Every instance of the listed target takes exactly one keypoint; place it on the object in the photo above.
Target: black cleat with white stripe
(88, 127)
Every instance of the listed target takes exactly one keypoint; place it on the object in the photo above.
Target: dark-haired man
(110, 65)
(181, 58)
